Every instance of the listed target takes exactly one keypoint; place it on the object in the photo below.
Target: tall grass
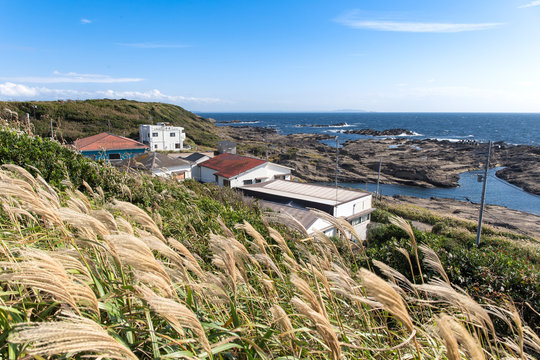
(93, 277)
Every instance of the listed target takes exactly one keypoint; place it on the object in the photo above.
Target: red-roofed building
(107, 146)
(234, 170)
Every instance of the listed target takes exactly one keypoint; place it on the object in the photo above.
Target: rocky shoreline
(426, 163)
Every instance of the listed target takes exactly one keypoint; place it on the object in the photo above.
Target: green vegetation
(81, 118)
(109, 264)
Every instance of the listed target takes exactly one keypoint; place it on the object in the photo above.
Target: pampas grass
(71, 335)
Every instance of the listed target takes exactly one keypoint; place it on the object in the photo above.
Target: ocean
(512, 128)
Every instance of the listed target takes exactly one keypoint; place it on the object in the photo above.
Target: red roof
(107, 141)
(229, 165)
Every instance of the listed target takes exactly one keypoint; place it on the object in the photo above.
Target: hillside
(98, 263)
(74, 119)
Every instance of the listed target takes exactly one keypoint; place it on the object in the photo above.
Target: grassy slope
(77, 119)
(238, 320)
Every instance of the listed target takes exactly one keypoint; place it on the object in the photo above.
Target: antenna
(481, 216)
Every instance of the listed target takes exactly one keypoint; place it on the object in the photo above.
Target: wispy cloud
(86, 21)
(154, 45)
(72, 77)
(13, 91)
(353, 21)
(531, 4)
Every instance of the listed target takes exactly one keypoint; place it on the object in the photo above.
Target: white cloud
(150, 45)
(531, 4)
(351, 20)
(12, 91)
(72, 77)
(9, 89)
(86, 21)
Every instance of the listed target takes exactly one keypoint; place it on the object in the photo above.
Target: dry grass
(138, 294)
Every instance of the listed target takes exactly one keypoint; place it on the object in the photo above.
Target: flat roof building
(287, 196)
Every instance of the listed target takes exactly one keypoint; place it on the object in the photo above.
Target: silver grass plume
(405, 226)
(383, 293)
(433, 262)
(139, 216)
(72, 335)
(258, 239)
(461, 300)
(135, 253)
(323, 326)
(396, 277)
(282, 320)
(274, 234)
(179, 315)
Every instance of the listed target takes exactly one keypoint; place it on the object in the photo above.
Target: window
(115, 156)
(155, 146)
(247, 182)
(279, 177)
(173, 134)
(155, 134)
(226, 183)
(356, 221)
(177, 146)
(259, 180)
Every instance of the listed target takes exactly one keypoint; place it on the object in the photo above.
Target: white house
(195, 159)
(234, 170)
(162, 137)
(292, 197)
(159, 165)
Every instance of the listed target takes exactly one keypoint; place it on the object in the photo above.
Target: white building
(234, 170)
(162, 137)
(195, 159)
(296, 198)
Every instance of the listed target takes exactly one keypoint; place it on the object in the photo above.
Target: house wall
(164, 139)
(206, 175)
(265, 172)
(321, 224)
(170, 171)
(105, 154)
(353, 207)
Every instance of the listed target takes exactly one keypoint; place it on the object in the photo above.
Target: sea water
(512, 128)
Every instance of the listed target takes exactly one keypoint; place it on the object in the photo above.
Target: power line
(512, 186)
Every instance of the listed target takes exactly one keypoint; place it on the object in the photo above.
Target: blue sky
(312, 55)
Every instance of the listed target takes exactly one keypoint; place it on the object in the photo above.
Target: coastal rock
(426, 163)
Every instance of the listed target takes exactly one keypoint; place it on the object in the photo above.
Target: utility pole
(481, 216)
(337, 167)
(266, 145)
(378, 179)
(52, 132)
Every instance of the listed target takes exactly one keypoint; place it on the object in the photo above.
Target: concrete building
(107, 146)
(162, 137)
(226, 147)
(234, 170)
(295, 198)
(159, 164)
